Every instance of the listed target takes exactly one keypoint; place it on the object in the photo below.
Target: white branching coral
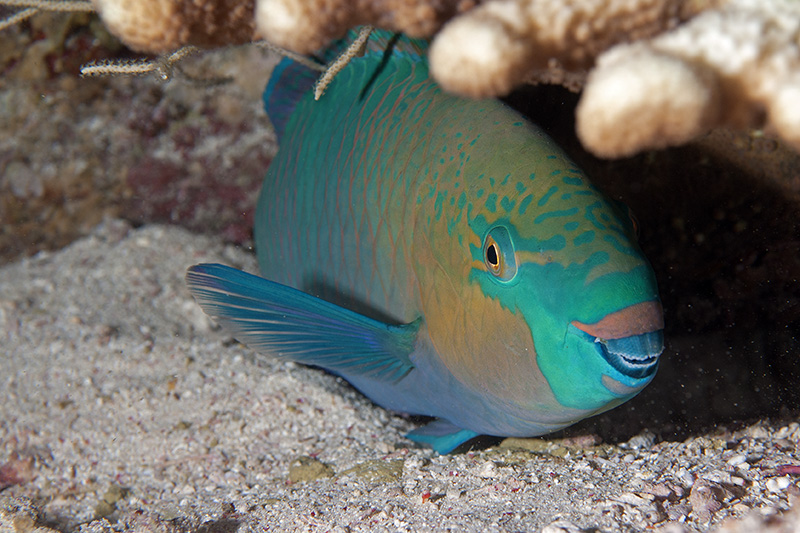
(736, 66)
(159, 26)
(655, 73)
(496, 46)
(305, 26)
(661, 72)
(641, 99)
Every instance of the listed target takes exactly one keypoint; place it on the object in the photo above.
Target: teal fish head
(571, 269)
(558, 306)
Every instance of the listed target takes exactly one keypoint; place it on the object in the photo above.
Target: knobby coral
(736, 66)
(660, 72)
(654, 72)
(307, 25)
(496, 46)
(160, 26)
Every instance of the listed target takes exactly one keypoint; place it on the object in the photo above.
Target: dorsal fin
(290, 80)
(383, 41)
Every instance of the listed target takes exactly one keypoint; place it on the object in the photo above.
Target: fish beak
(630, 340)
(635, 356)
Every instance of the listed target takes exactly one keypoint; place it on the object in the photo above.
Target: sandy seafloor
(124, 408)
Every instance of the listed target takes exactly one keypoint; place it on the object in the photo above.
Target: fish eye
(498, 254)
(492, 257)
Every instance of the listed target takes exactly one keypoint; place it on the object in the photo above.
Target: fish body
(443, 255)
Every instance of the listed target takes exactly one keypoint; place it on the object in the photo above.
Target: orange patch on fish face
(644, 317)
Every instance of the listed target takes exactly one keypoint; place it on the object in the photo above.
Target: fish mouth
(630, 340)
(635, 356)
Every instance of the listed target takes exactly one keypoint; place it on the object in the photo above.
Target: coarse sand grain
(123, 408)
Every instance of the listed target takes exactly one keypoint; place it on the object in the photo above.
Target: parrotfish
(442, 255)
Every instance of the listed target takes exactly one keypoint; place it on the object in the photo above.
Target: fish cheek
(484, 345)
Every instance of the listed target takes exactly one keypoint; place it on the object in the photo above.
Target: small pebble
(777, 484)
(678, 511)
(706, 498)
(737, 460)
(685, 477)
(453, 494)
(643, 440)
(561, 526)
(632, 499)
(488, 470)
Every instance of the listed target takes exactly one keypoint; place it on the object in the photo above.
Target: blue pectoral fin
(291, 324)
(442, 436)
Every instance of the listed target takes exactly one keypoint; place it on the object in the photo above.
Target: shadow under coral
(720, 223)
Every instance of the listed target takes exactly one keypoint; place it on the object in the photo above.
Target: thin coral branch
(17, 17)
(110, 68)
(355, 49)
(166, 67)
(303, 60)
(51, 5)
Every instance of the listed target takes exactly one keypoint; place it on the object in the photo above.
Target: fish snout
(630, 340)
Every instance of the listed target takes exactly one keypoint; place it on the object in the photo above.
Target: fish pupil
(491, 256)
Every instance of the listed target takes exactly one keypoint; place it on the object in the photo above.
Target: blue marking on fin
(442, 436)
(291, 324)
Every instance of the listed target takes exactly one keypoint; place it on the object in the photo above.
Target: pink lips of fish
(644, 317)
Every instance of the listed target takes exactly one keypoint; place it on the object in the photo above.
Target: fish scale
(466, 269)
(366, 221)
